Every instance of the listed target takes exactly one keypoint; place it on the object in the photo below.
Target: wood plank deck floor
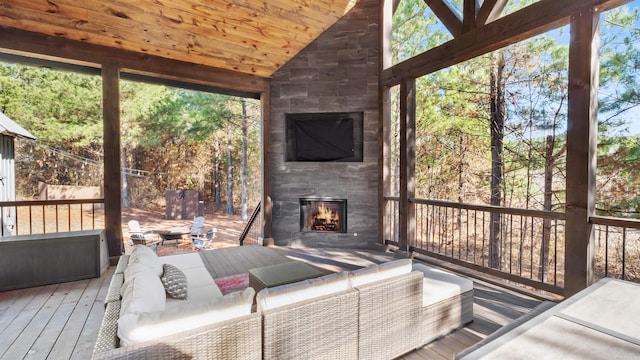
(61, 321)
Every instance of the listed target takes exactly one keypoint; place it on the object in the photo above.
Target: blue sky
(632, 117)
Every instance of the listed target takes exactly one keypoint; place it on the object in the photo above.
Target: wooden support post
(384, 122)
(407, 162)
(267, 206)
(384, 164)
(582, 127)
(112, 170)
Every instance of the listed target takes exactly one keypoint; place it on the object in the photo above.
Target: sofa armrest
(108, 333)
(238, 338)
(113, 293)
(389, 316)
(319, 328)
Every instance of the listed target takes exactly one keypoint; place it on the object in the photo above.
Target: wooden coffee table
(280, 274)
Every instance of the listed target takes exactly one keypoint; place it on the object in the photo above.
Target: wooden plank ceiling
(248, 36)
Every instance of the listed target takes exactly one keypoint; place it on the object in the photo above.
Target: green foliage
(54, 106)
(137, 100)
(618, 158)
(453, 122)
(620, 68)
(183, 116)
(410, 21)
(167, 133)
(452, 135)
(618, 182)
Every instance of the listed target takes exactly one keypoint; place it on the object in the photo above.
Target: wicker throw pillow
(174, 281)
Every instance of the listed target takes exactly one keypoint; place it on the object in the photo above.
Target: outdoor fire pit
(172, 234)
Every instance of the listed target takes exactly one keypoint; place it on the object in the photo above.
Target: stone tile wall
(338, 72)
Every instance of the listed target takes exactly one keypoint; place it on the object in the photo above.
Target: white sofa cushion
(130, 273)
(140, 249)
(440, 285)
(145, 256)
(199, 277)
(135, 328)
(271, 298)
(200, 284)
(183, 261)
(144, 293)
(383, 271)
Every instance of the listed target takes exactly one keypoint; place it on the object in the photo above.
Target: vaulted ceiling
(248, 36)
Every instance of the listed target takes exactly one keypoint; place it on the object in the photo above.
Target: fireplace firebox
(323, 214)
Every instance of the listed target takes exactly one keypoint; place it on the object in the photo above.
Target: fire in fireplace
(323, 215)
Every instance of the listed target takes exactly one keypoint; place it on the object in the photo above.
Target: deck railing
(50, 216)
(617, 247)
(529, 246)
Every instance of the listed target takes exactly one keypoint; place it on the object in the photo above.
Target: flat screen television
(324, 137)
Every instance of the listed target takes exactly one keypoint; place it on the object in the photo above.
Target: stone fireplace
(333, 79)
(326, 214)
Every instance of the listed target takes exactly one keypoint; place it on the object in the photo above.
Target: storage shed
(9, 130)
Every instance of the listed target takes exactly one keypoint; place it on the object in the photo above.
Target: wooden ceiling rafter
(469, 12)
(490, 11)
(447, 15)
(530, 21)
(473, 14)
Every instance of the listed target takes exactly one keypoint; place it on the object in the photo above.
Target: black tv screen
(324, 139)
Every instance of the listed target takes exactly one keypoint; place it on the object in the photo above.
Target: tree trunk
(125, 184)
(497, 101)
(461, 179)
(216, 176)
(243, 170)
(549, 161)
(229, 172)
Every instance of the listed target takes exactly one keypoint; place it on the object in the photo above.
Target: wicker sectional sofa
(206, 325)
(378, 312)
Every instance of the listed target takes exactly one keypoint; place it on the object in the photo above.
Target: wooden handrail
(252, 219)
(50, 202)
(493, 209)
(613, 221)
(487, 208)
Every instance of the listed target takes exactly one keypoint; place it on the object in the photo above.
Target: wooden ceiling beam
(490, 11)
(447, 15)
(129, 61)
(531, 21)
